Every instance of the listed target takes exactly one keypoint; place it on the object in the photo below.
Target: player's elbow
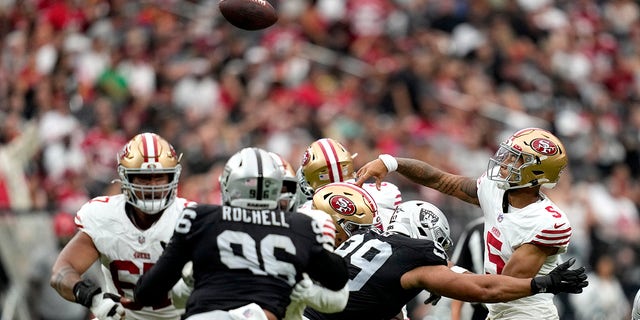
(330, 270)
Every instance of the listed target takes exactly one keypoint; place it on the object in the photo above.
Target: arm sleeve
(154, 284)
(328, 269)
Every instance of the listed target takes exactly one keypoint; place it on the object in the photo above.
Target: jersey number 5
(492, 241)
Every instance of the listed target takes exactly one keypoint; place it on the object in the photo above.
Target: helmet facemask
(288, 200)
(150, 198)
(506, 167)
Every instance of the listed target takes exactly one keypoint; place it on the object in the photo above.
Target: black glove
(84, 291)
(433, 299)
(561, 279)
(104, 306)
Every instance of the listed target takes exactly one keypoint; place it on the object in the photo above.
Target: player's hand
(301, 289)
(106, 306)
(433, 299)
(373, 169)
(561, 279)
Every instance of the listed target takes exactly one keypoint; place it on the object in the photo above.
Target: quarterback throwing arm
(242, 256)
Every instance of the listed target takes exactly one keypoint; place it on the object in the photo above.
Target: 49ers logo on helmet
(306, 157)
(342, 205)
(126, 151)
(544, 146)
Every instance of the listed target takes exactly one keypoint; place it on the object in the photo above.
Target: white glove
(319, 297)
(187, 274)
(300, 290)
(106, 306)
(180, 294)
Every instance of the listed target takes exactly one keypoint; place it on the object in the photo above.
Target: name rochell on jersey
(264, 217)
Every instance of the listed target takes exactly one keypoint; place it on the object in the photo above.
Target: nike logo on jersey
(555, 225)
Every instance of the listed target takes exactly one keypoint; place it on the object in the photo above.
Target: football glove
(561, 279)
(319, 297)
(104, 306)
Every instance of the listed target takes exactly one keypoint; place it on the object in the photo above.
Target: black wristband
(539, 285)
(84, 291)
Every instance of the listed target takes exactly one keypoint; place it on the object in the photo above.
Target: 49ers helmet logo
(306, 157)
(544, 146)
(342, 205)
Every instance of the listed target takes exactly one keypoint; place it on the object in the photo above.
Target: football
(248, 14)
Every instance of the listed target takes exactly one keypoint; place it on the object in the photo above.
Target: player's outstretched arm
(463, 188)
(494, 288)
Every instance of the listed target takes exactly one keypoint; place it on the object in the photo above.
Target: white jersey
(387, 198)
(126, 252)
(326, 222)
(540, 223)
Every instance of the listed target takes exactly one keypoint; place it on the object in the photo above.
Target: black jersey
(376, 263)
(242, 256)
(469, 254)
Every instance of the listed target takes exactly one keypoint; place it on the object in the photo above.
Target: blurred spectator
(603, 298)
(18, 147)
(102, 141)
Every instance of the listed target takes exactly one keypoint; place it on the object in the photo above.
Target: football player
(306, 292)
(388, 269)
(524, 231)
(127, 233)
(248, 253)
(326, 161)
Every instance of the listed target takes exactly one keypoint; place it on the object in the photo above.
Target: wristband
(458, 269)
(389, 161)
(84, 291)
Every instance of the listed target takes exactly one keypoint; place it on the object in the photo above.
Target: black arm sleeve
(154, 284)
(329, 269)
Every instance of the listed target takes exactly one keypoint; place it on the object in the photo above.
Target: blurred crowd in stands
(438, 80)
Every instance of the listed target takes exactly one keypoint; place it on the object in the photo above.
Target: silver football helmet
(421, 220)
(304, 192)
(251, 180)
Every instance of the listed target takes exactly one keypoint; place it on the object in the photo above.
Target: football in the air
(248, 14)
